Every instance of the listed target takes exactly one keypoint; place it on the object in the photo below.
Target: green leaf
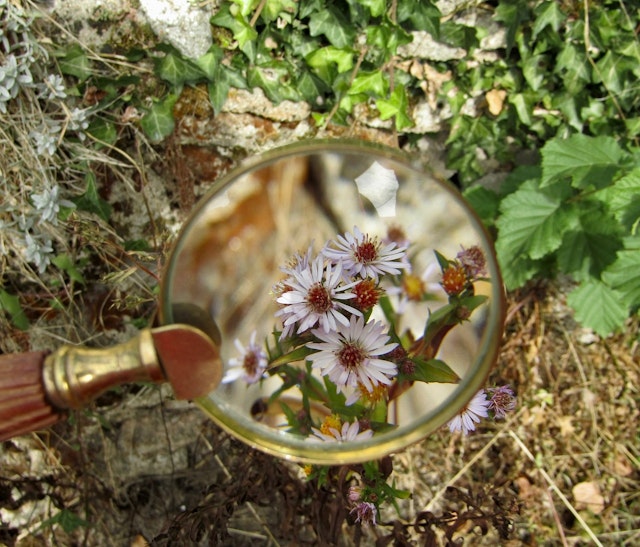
(484, 202)
(158, 122)
(419, 15)
(91, 201)
(598, 307)
(512, 13)
(334, 26)
(273, 78)
(278, 8)
(623, 199)
(209, 63)
(624, 274)
(11, 304)
(76, 63)
(433, 370)
(371, 83)
(534, 220)
(103, 131)
(326, 60)
(588, 250)
(243, 32)
(64, 262)
(293, 356)
(397, 105)
(589, 161)
(176, 70)
(311, 87)
(67, 520)
(548, 14)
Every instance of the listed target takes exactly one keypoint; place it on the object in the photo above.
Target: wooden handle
(23, 404)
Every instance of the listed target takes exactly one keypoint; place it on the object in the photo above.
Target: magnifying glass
(328, 302)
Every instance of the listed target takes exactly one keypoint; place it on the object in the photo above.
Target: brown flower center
(366, 252)
(250, 363)
(319, 298)
(351, 356)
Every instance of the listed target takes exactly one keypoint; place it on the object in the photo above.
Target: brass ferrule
(74, 375)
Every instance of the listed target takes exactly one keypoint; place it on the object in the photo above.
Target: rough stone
(424, 46)
(181, 23)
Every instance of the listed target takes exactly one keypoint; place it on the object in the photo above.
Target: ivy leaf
(385, 39)
(512, 13)
(573, 67)
(622, 275)
(397, 105)
(91, 201)
(275, 8)
(76, 63)
(209, 63)
(534, 220)
(11, 304)
(273, 78)
(372, 83)
(334, 26)
(243, 32)
(103, 131)
(176, 70)
(311, 87)
(325, 61)
(598, 307)
(420, 15)
(158, 122)
(587, 160)
(548, 14)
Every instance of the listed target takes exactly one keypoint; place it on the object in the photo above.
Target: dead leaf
(495, 100)
(587, 496)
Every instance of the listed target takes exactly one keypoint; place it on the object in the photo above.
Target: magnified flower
(313, 295)
(502, 400)
(332, 431)
(365, 256)
(470, 415)
(351, 357)
(472, 260)
(365, 513)
(251, 364)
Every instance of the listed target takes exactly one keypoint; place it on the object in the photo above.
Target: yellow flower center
(331, 422)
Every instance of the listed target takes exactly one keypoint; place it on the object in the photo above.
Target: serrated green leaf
(332, 24)
(623, 199)
(484, 202)
(624, 274)
(534, 220)
(91, 201)
(11, 304)
(589, 161)
(598, 307)
(587, 251)
(158, 122)
(76, 63)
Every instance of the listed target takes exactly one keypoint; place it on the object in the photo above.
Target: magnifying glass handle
(23, 403)
(36, 388)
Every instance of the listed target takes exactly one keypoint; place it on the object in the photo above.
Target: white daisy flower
(314, 296)
(470, 415)
(364, 256)
(348, 432)
(251, 364)
(351, 357)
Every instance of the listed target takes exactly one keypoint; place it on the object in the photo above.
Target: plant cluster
(345, 353)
